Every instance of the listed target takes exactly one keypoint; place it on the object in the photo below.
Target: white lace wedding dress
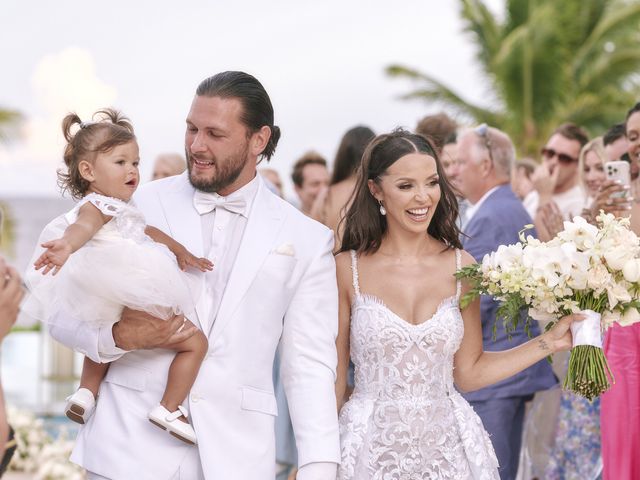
(120, 266)
(405, 419)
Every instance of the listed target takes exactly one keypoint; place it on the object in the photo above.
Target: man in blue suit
(494, 218)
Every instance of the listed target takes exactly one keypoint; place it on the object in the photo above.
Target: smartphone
(619, 172)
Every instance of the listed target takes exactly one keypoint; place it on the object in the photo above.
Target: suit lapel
(181, 216)
(264, 223)
(185, 227)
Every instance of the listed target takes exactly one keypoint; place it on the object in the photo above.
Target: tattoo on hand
(543, 344)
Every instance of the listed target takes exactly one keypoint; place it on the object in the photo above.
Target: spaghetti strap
(354, 271)
(458, 281)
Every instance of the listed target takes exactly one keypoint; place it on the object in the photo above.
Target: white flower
(616, 257)
(617, 293)
(579, 232)
(631, 270)
(609, 317)
(629, 317)
(598, 277)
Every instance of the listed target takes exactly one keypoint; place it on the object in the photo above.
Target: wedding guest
(310, 178)
(438, 129)
(521, 183)
(401, 323)
(331, 209)
(167, 165)
(272, 176)
(620, 406)
(273, 285)
(556, 182)
(495, 217)
(575, 454)
(615, 143)
(11, 294)
(449, 156)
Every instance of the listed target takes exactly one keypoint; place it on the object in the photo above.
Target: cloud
(61, 82)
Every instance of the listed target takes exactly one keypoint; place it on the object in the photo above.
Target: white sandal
(80, 406)
(166, 420)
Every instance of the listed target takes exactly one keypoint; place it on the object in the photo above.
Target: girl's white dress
(405, 420)
(119, 267)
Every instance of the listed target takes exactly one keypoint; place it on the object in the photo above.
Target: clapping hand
(187, 259)
(617, 205)
(54, 257)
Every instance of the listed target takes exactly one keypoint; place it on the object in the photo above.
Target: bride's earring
(383, 211)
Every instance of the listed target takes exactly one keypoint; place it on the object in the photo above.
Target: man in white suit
(273, 282)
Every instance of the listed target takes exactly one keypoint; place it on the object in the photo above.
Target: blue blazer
(497, 222)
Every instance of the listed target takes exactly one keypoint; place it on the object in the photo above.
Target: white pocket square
(285, 249)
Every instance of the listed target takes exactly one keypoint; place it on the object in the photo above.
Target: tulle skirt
(104, 276)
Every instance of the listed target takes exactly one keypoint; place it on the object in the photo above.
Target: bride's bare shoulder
(466, 259)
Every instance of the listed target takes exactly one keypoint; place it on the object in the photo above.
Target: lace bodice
(128, 222)
(396, 359)
(403, 420)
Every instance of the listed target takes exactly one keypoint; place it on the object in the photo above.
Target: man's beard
(227, 171)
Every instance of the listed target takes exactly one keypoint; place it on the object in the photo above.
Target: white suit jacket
(282, 289)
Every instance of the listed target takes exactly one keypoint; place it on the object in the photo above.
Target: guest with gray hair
(168, 165)
(485, 157)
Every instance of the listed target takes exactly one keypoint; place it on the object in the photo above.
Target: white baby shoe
(80, 406)
(169, 421)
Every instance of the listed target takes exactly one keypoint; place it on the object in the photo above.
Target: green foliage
(9, 121)
(547, 62)
(511, 309)
(7, 231)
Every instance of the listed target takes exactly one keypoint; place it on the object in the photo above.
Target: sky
(321, 62)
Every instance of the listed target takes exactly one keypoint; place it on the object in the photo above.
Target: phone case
(618, 171)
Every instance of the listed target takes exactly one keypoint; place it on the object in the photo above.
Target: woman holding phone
(620, 406)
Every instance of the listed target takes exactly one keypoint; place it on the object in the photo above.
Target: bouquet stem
(589, 374)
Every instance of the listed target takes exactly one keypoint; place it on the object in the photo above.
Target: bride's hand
(558, 338)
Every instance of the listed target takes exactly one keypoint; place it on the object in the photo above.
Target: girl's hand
(187, 259)
(559, 338)
(56, 254)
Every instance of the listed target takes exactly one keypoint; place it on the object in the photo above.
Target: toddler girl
(116, 262)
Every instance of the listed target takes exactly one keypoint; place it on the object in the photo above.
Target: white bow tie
(207, 202)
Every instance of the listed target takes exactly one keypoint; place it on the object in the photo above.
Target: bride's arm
(343, 271)
(474, 368)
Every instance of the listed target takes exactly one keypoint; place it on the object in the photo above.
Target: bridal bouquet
(587, 269)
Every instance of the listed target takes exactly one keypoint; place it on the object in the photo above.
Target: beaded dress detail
(405, 419)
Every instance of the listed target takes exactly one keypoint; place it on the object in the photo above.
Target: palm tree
(547, 62)
(9, 121)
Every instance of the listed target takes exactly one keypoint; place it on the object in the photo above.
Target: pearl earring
(383, 211)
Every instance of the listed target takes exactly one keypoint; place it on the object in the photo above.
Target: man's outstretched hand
(141, 331)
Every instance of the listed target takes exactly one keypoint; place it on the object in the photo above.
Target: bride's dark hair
(364, 225)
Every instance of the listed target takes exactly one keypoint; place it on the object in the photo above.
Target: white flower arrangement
(37, 452)
(587, 269)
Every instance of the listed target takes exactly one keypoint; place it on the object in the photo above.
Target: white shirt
(472, 209)
(222, 233)
(570, 203)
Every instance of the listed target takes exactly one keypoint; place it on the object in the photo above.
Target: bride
(401, 325)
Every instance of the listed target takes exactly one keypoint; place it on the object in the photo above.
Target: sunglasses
(482, 131)
(549, 153)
